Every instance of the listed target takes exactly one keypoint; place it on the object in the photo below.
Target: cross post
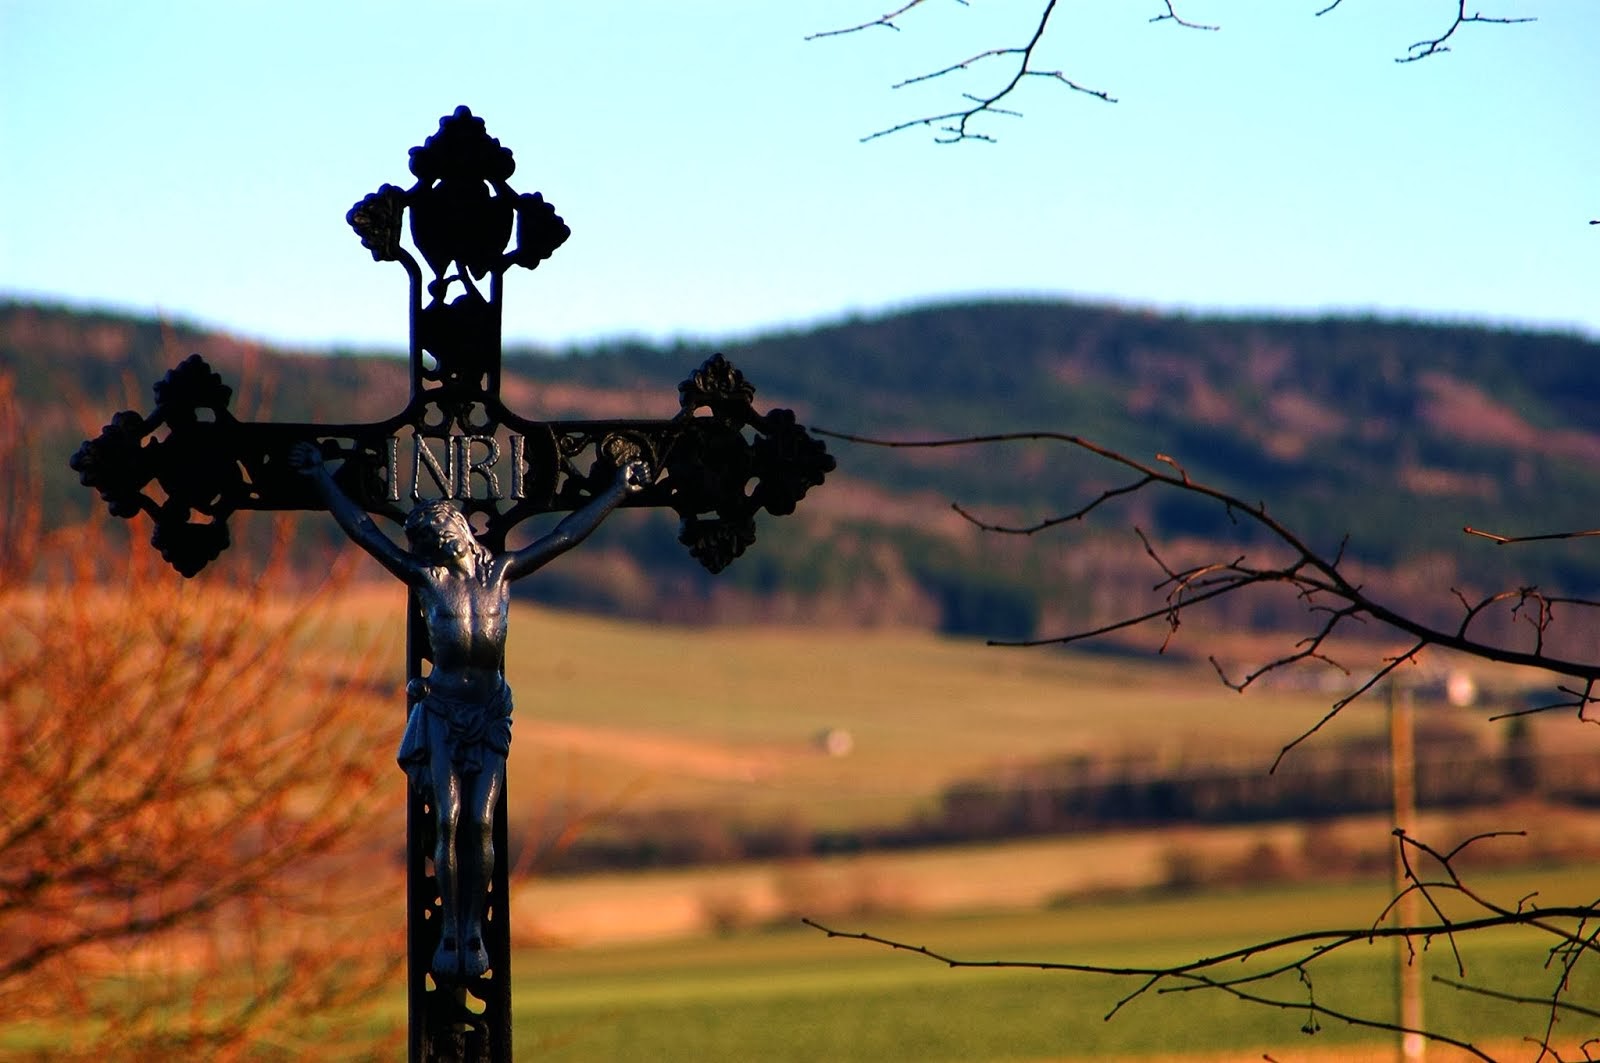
(459, 471)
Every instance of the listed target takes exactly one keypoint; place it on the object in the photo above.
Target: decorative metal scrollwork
(191, 464)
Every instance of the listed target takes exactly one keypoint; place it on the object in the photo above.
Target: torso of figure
(465, 614)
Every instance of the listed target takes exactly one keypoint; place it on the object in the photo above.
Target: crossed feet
(454, 964)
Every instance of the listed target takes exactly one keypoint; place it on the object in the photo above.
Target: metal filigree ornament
(191, 464)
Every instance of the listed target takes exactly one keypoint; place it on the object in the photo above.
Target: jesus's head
(438, 532)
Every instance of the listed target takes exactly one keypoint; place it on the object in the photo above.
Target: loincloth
(465, 729)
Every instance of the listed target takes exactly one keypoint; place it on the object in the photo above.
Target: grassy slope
(615, 713)
(795, 995)
(730, 715)
(678, 714)
(670, 709)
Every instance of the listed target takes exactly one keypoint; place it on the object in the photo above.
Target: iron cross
(460, 471)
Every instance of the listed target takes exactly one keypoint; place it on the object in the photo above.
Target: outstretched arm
(580, 523)
(306, 458)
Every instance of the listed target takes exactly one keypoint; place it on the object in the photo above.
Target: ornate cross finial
(191, 463)
(463, 217)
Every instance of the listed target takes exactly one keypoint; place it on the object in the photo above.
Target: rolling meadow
(711, 960)
(204, 826)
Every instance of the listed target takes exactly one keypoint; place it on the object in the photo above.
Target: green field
(619, 714)
(650, 715)
(794, 994)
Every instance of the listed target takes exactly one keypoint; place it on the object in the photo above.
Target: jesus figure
(459, 728)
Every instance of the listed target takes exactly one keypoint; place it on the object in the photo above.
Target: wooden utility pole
(1408, 962)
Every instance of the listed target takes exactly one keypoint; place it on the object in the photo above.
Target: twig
(1547, 537)
(1423, 49)
(1317, 577)
(1516, 998)
(955, 125)
(1173, 16)
(1306, 948)
(885, 21)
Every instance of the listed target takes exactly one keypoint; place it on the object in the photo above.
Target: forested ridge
(1393, 433)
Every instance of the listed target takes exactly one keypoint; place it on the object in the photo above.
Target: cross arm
(306, 458)
(578, 525)
(190, 464)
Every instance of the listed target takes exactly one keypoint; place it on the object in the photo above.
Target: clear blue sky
(197, 158)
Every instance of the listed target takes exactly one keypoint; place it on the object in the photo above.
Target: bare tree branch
(1571, 928)
(885, 21)
(1546, 537)
(953, 126)
(1320, 580)
(1423, 49)
(1334, 599)
(184, 767)
(1517, 998)
(956, 125)
(1173, 16)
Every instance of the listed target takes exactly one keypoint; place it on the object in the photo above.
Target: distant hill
(1392, 433)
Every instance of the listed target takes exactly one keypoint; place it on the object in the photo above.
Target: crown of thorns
(433, 512)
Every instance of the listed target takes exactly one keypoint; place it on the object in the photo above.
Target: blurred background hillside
(1386, 435)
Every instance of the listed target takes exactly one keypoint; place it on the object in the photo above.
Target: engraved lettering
(444, 476)
(394, 469)
(466, 466)
(452, 466)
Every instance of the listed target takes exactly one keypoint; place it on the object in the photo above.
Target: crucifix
(458, 472)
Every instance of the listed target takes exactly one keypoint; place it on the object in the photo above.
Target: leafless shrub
(191, 780)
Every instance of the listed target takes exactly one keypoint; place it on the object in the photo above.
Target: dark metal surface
(191, 464)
